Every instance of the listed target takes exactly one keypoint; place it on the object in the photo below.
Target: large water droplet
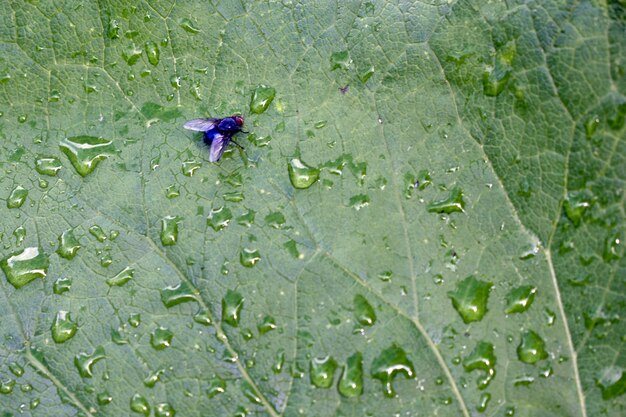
(391, 362)
(470, 298)
(612, 382)
(181, 293)
(520, 299)
(139, 404)
(6, 387)
(261, 98)
(68, 244)
(219, 218)
(351, 381)
(86, 152)
(161, 338)
(482, 358)
(452, 203)
(48, 165)
(232, 303)
(164, 410)
(22, 267)
(63, 327)
(249, 257)
(152, 52)
(322, 371)
(532, 348)
(121, 278)
(302, 175)
(84, 361)
(169, 230)
(363, 311)
(17, 197)
(216, 386)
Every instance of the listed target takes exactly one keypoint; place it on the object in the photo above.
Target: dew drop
(172, 191)
(232, 303)
(16, 369)
(391, 362)
(151, 380)
(86, 152)
(48, 166)
(216, 386)
(613, 247)
(22, 118)
(246, 219)
(203, 317)
(17, 197)
(188, 25)
(113, 29)
(139, 404)
(470, 298)
(366, 74)
(164, 410)
(233, 197)
(85, 361)
(250, 393)
(219, 218)
(22, 267)
(181, 293)
(262, 97)
(302, 175)
(169, 230)
(6, 387)
(97, 232)
(279, 362)
(576, 204)
(483, 359)
(104, 398)
(322, 371)
(340, 60)
(132, 55)
(363, 311)
(359, 201)
(121, 278)
(161, 338)
(275, 220)
(134, 319)
(495, 78)
(351, 380)
(532, 348)
(268, 324)
(63, 327)
(452, 203)
(612, 383)
(520, 299)
(249, 257)
(152, 52)
(68, 244)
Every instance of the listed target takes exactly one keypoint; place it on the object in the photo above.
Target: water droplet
(532, 348)
(139, 404)
(121, 278)
(48, 165)
(219, 218)
(86, 152)
(249, 257)
(97, 232)
(161, 338)
(181, 293)
(470, 298)
(188, 25)
(359, 201)
(482, 358)
(16, 369)
(84, 361)
(104, 398)
(68, 244)
(246, 219)
(496, 77)
(113, 29)
(20, 235)
(275, 220)
(483, 402)
(250, 393)
(6, 387)
(132, 55)
(322, 371)
(22, 267)
(17, 197)
(233, 197)
(302, 175)
(261, 98)
(216, 386)
(164, 410)
(366, 74)
(452, 203)
(363, 311)
(391, 362)
(612, 382)
(151, 380)
(351, 381)
(268, 324)
(613, 247)
(520, 299)
(63, 327)
(292, 248)
(509, 411)
(279, 361)
(106, 260)
(90, 88)
(189, 167)
(172, 191)
(203, 317)
(62, 285)
(152, 52)
(134, 319)
(232, 303)
(22, 118)
(340, 60)
(169, 230)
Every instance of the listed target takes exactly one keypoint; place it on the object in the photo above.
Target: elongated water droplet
(188, 25)
(391, 362)
(520, 299)
(268, 324)
(232, 303)
(151, 380)
(164, 410)
(17, 197)
(189, 167)
(139, 404)
(85, 361)
(216, 386)
(250, 393)
(483, 402)
(68, 244)
(20, 235)
(181, 293)
(169, 230)
(302, 175)
(470, 298)
(6, 387)
(351, 381)
(48, 166)
(279, 361)
(249, 257)
(152, 52)
(261, 98)
(161, 338)
(86, 152)
(121, 278)
(532, 348)
(363, 311)
(219, 218)
(22, 267)
(322, 371)
(63, 327)
(612, 382)
(482, 358)
(359, 201)
(16, 369)
(233, 197)
(97, 232)
(452, 203)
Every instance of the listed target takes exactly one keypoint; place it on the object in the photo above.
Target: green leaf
(427, 217)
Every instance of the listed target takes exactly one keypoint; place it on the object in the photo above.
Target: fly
(217, 133)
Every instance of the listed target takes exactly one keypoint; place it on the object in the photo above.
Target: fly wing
(201, 125)
(218, 146)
